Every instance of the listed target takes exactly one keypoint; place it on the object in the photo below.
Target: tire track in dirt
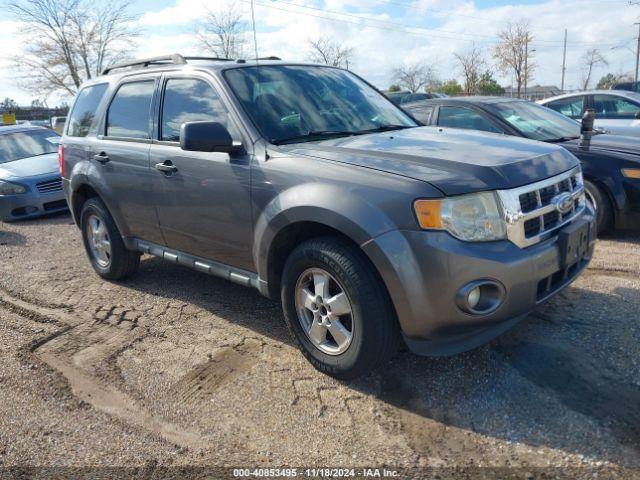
(79, 348)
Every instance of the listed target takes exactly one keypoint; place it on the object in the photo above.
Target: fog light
(473, 298)
(480, 297)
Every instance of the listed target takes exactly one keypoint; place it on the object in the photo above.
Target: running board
(236, 275)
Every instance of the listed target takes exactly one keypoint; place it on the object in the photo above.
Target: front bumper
(33, 203)
(424, 271)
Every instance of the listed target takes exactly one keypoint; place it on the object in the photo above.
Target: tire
(115, 264)
(603, 207)
(372, 322)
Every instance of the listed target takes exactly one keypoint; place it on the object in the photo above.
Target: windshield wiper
(310, 135)
(314, 133)
(562, 139)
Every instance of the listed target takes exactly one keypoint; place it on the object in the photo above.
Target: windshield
(304, 103)
(30, 143)
(536, 122)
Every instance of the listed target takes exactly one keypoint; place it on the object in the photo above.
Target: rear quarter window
(84, 110)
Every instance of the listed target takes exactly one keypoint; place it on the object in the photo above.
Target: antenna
(255, 38)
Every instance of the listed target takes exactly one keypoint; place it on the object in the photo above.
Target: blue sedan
(30, 183)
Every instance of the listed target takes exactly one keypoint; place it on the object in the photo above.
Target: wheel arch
(306, 212)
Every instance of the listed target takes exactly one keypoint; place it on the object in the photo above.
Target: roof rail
(221, 59)
(175, 58)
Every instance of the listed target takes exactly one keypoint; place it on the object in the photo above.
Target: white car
(617, 111)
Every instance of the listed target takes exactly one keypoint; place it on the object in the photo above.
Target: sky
(384, 34)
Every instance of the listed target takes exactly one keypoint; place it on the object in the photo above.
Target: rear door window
(571, 107)
(460, 117)
(84, 110)
(129, 112)
(614, 107)
(190, 100)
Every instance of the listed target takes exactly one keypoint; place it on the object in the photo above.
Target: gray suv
(307, 183)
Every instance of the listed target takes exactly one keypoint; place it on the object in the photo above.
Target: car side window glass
(611, 106)
(422, 114)
(571, 107)
(459, 117)
(84, 110)
(191, 100)
(128, 114)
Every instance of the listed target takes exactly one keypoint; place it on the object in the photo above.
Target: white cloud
(380, 42)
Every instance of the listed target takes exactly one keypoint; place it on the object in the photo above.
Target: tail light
(61, 159)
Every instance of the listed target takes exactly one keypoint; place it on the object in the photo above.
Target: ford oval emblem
(563, 203)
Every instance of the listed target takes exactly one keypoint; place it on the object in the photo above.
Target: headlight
(8, 188)
(476, 217)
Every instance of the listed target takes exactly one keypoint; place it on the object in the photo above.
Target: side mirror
(207, 137)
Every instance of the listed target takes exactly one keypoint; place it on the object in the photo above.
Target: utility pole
(637, 51)
(564, 61)
(526, 58)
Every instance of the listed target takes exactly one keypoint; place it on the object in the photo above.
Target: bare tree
(590, 59)
(512, 53)
(415, 76)
(9, 105)
(472, 64)
(223, 32)
(69, 41)
(329, 52)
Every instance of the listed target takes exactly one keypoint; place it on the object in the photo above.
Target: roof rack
(175, 59)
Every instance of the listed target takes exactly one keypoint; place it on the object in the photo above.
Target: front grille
(49, 186)
(531, 212)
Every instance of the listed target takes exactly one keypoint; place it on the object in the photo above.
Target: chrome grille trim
(48, 186)
(570, 182)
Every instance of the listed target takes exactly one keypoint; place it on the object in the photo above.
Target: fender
(321, 203)
(84, 173)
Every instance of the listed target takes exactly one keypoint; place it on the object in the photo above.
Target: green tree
(451, 88)
(488, 85)
(608, 80)
(394, 88)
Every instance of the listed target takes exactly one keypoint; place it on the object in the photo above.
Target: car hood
(455, 161)
(607, 143)
(30, 166)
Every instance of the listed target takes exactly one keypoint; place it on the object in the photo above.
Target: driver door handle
(166, 167)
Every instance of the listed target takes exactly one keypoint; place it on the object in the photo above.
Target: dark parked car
(30, 183)
(401, 98)
(628, 86)
(363, 224)
(610, 163)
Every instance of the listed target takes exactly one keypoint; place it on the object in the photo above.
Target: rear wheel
(337, 308)
(103, 242)
(601, 205)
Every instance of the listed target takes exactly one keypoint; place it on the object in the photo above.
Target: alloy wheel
(98, 239)
(324, 311)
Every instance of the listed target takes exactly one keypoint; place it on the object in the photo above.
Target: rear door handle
(101, 157)
(166, 167)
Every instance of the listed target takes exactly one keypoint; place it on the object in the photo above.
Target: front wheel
(337, 308)
(601, 204)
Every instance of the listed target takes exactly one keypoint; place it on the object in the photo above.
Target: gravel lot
(174, 368)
